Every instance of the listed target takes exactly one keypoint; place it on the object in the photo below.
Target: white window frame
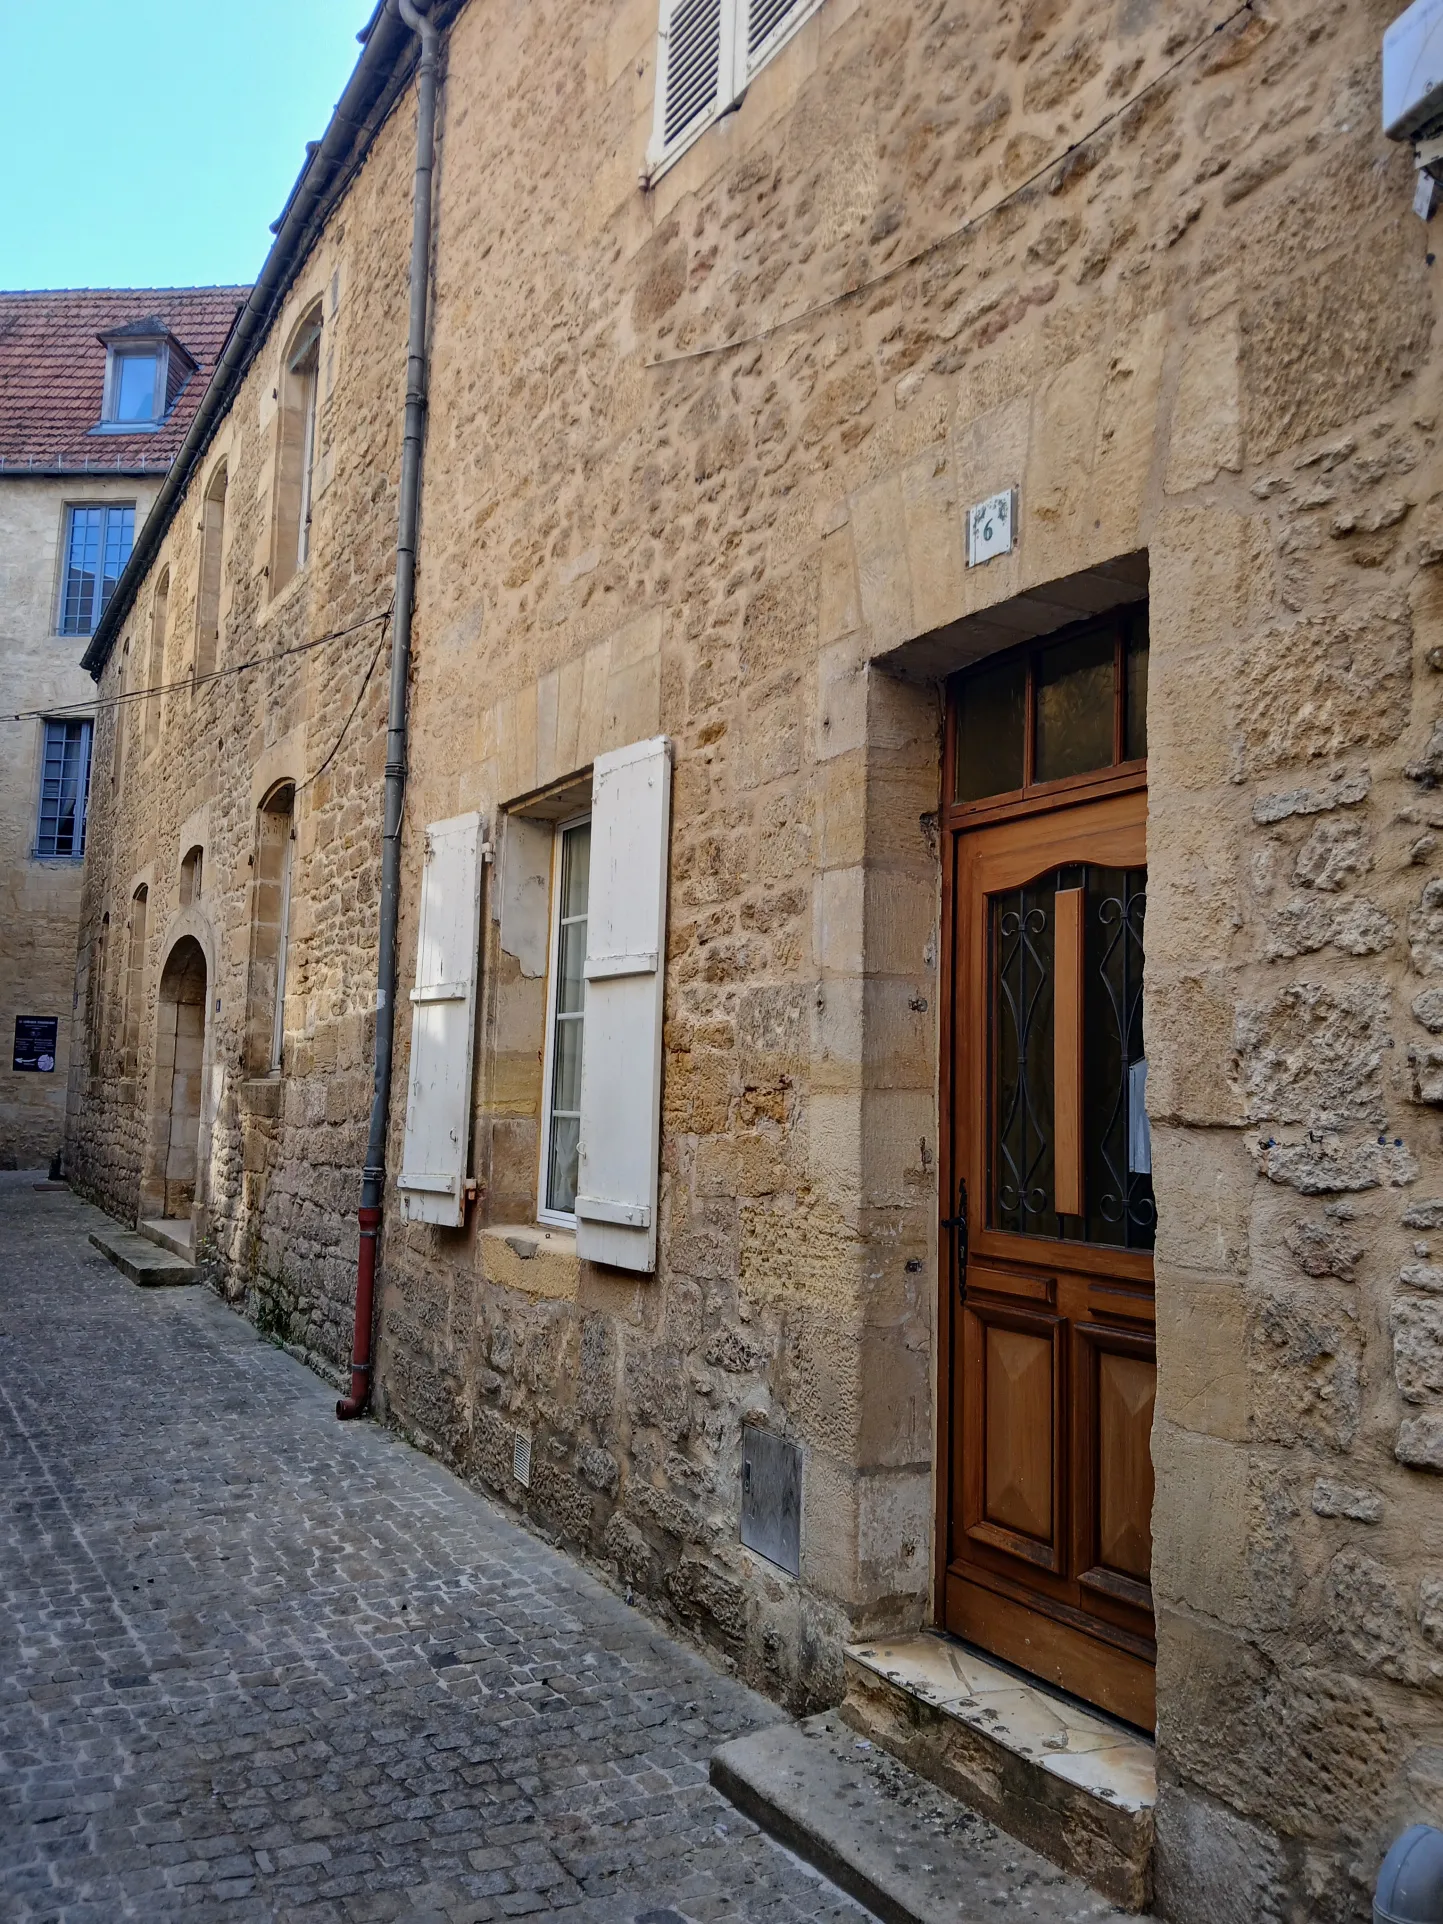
(556, 1218)
(140, 348)
(737, 70)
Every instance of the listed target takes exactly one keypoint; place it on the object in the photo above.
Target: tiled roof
(52, 372)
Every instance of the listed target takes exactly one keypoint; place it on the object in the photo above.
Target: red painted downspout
(373, 1181)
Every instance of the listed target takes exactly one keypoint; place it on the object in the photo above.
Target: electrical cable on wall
(972, 221)
(84, 708)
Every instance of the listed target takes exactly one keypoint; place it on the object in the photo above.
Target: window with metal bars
(708, 52)
(64, 783)
(98, 541)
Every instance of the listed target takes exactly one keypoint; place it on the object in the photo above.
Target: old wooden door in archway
(1047, 1312)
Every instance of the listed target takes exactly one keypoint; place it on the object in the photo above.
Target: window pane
(564, 1119)
(1135, 729)
(119, 539)
(561, 1177)
(65, 775)
(82, 565)
(575, 869)
(566, 1071)
(991, 722)
(1075, 694)
(135, 387)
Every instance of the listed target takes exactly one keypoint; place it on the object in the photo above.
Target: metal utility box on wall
(1413, 72)
(772, 1497)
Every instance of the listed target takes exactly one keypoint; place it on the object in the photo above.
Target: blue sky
(150, 143)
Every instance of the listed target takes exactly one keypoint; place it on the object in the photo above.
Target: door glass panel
(1023, 929)
(1118, 1209)
(991, 728)
(1075, 708)
(1134, 746)
(1117, 1143)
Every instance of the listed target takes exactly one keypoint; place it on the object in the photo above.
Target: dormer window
(145, 369)
(136, 377)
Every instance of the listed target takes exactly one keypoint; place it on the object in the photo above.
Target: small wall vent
(521, 1460)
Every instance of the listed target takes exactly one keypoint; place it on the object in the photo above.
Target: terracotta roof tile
(52, 372)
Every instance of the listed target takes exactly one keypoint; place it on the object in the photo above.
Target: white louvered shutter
(695, 64)
(625, 964)
(432, 1182)
(762, 27)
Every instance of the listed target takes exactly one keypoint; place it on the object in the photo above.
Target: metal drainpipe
(373, 1181)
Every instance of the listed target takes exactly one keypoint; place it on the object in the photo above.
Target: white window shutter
(616, 1199)
(763, 26)
(695, 63)
(432, 1182)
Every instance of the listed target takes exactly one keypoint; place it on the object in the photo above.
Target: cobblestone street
(257, 1664)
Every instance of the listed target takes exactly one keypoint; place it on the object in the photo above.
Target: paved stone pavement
(258, 1664)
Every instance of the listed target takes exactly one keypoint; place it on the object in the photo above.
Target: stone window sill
(533, 1258)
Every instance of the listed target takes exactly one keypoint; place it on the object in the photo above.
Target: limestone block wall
(280, 1154)
(39, 901)
(714, 485)
(697, 463)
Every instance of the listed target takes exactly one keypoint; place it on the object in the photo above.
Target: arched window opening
(135, 981)
(192, 864)
(155, 677)
(296, 451)
(117, 740)
(100, 952)
(207, 606)
(270, 932)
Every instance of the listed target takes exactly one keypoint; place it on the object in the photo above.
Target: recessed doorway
(179, 1082)
(1047, 1314)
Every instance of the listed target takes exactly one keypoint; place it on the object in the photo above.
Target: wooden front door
(1048, 1231)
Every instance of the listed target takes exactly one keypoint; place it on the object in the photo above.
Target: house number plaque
(992, 527)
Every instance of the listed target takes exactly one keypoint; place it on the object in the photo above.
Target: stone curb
(891, 1840)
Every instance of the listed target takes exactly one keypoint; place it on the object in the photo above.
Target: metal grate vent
(772, 1497)
(521, 1460)
(693, 64)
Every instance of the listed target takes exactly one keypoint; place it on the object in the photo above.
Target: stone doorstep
(142, 1260)
(1064, 1779)
(896, 1843)
(170, 1232)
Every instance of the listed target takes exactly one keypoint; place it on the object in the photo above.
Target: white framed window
(708, 53)
(98, 540)
(565, 1022)
(64, 787)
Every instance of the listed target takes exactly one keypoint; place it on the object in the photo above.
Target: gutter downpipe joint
(373, 1181)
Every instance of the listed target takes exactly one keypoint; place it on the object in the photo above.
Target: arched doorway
(179, 1062)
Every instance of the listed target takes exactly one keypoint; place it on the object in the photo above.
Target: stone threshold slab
(907, 1851)
(1062, 1778)
(170, 1232)
(143, 1261)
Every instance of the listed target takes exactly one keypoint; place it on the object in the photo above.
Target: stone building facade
(703, 442)
(74, 482)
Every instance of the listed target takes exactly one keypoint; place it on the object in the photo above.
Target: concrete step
(174, 1233)
(1063, 1778)
(142, 1260)
(897, 1844)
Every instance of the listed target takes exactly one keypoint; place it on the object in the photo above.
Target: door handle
(958, 1226)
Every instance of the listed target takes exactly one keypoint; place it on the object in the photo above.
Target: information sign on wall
(36, 1037)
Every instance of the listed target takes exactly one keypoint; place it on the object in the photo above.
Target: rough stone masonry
(1166, 281)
